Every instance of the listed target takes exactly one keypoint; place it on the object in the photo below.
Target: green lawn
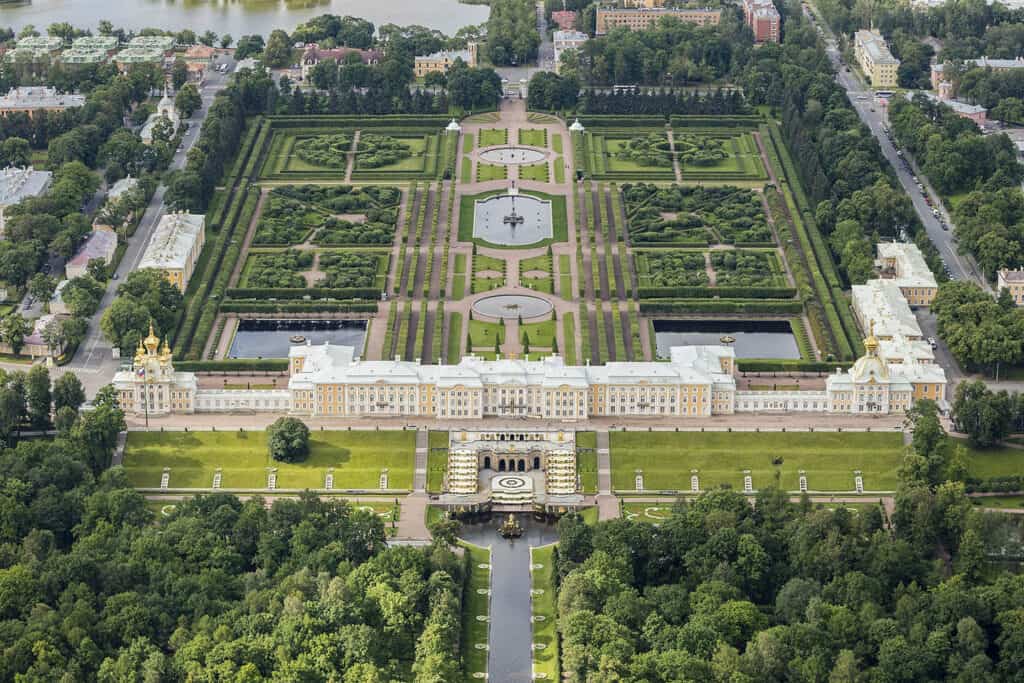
(459, 279)
(559, 219)
(538, 172)
(542, 334)
(556, 143)
(467, 143)
(533, 137)
(485, 172)
(356, 456)
(454, 338)
(483, 333)
(543, 609)
(829, 459)
(437, 464)
(646, 512)
(569, 333)
(586, 466)
(1001, 502)
(992, 462)
(490, 137)
(466, 175)
(560, 170)
(476, 603)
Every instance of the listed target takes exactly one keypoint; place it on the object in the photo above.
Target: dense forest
(779, 591)
(94, 586)
(512, 36)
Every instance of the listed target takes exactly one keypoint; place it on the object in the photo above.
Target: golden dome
(165, 353)
(871, 343)
(152, 341)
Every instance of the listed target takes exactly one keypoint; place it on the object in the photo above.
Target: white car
(933, 343)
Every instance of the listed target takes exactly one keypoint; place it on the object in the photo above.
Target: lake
(237, 18)
(754, 338)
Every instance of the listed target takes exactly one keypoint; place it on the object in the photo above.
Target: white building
(904, 264)
(567, 40)
(881, 303)
(32, 99)
(166, 111)
(17, 184)
(57, 303)
(175, 246)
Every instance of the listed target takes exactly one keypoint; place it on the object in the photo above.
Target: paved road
(94, 362)
(961, 267)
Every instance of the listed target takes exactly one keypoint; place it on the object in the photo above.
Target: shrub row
(617, 121)
(711, 292)
(298, 307)
(721, 306)
(733, 121)
(1006, 484)
(233, 365)
(370, 293)
(376, 121)
(754, 365)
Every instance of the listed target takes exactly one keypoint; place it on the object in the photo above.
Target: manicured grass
(542, 334)
(437, 460)
(466, 175)
(490, 137)
(454, 338)
(992, 462)
(829, 459)
(476, 603)
(467, 143)
(543, 609)
(485, 172)
(356, 456)
(483, 333)
(565, 276)
(569, 333)
(537, 172)
(560, 170)
(459, 281)
(589, 515)
(646, 512)
(999, 501)
(556, 143)
(586, 466)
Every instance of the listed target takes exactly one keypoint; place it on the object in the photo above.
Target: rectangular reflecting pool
(754, 338)
(272, 338)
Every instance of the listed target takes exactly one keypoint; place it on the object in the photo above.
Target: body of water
(510, 657)
(754, 338)
(237, 17)
(273, 338)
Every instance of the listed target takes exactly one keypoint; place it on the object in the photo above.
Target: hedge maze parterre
(671, 220)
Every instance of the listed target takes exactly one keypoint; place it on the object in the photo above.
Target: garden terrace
(681, 215)
(323, 273)
(559, 219)
(609, 154)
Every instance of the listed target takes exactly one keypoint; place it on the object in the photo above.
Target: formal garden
(695, 216)
(334, 269)
(559, 219)
(337, 215)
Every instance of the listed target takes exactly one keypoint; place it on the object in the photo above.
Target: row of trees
(985, 416)
(727, 591)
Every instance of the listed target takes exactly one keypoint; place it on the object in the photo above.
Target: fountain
(512, 306)
(512, 219)
(511, 528)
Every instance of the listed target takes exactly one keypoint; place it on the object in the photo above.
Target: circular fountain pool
(512, 306)
(512, 220)
(512, 155)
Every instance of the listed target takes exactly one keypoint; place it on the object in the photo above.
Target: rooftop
(121, 186)
(447, 55)
(48, 43)
(18, 183)
(986, 63)
(163, 43)
(95, 43)
(99, 244)
(874, 44)
(911, 268)
(1015, 276)
(39, 97)
(84, 55)
(138, 54)
(880, 302)
(173, 240)
(570, 36)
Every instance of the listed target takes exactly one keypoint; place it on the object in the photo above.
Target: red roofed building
(565, 19)
(763, 19)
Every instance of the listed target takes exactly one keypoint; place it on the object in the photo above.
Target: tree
(985, 416)
(15, 151)
(248, 46)
(82, 296)
(208, 38)
(13, 329)
(288, 440)
(38, 395)
(179, 74)
(124, 323)
(226, 40)
(278, 52)
(42, 286)
(187, 100)
(68, 392)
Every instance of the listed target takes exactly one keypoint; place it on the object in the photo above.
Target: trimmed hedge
(620, 121)
(732, 121)
(298, 307)
(370, 293)
(233, 365)
(1007, 484)
(771, 365)
(721, 306)
(375, 121)
(711, 292)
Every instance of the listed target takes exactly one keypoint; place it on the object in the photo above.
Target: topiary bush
(324, 150)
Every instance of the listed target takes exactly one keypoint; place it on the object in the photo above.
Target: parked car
(934, 344)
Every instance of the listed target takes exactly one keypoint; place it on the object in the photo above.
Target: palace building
(698, 381)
